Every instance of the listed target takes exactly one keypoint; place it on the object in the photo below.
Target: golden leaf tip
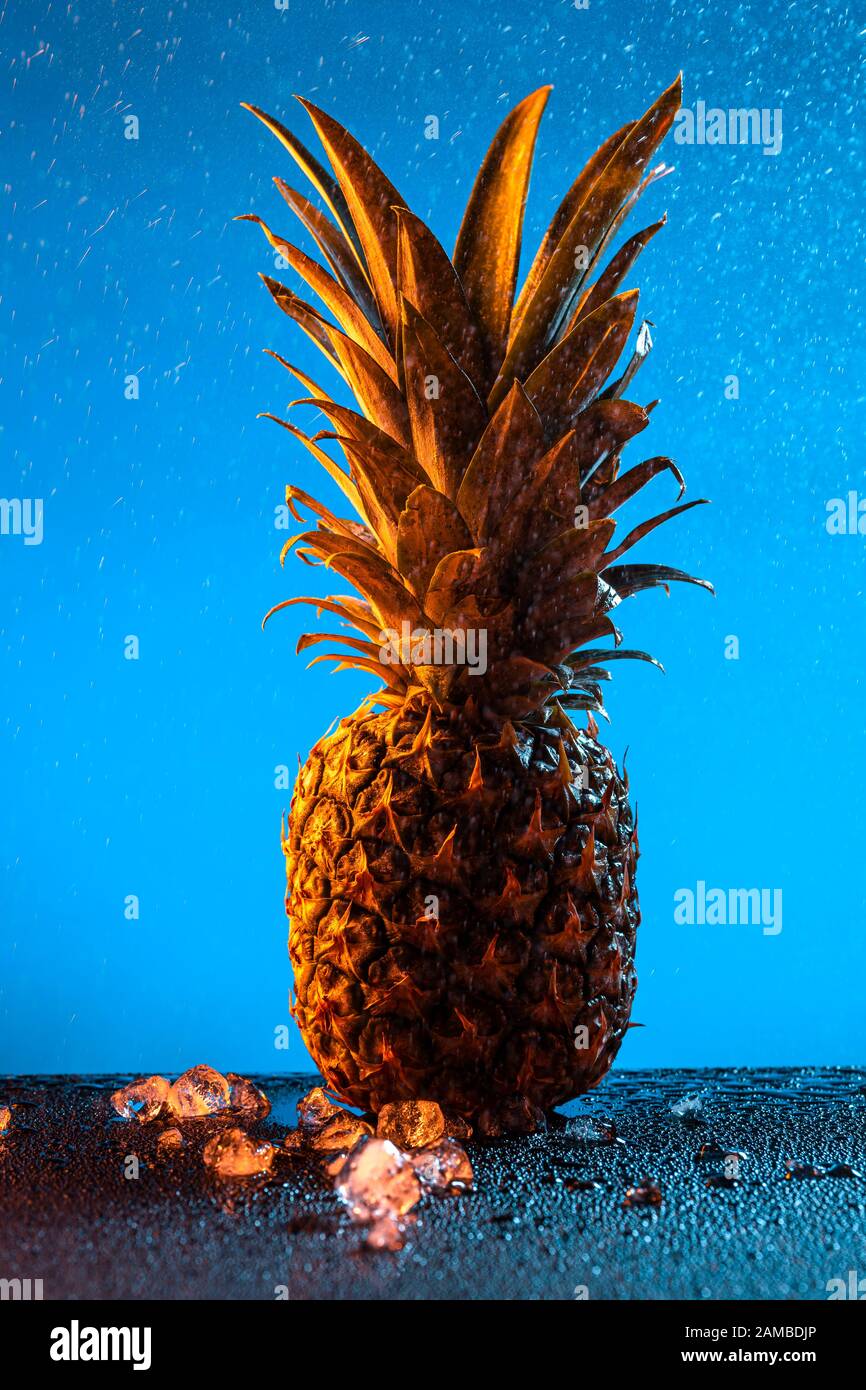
(309, 107)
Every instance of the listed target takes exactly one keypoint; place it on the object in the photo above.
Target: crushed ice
(198, 1092)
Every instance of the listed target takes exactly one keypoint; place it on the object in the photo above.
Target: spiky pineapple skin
(461, 903)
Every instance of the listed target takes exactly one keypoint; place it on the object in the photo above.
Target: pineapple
(460, 856)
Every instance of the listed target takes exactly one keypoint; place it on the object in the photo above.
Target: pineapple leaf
(552, 303)
(306, 381)
(601, 431)
(339, 524)
(505, 456)
(352, 610)
(341, 304)
(631, 579)
(324, 545)
(375, 390)
(430, 527)
(650, 525)
(544, 502)
(583, 660)
(356, 426)
(318, 176)
(428, 280)
(609, 281)
(573, 552)
(333, 469)
(576, 369)
(642, 350)
(393, 675)
(445, 411)
(551, 622)
(312, 322)
(659, 172)
(452, 580)
(341, 257)
(383, 485)
(585, 180)
(358, 644)
(389, 599)
(618, 492)
(598, 624)
(370, 197)
(487, 252)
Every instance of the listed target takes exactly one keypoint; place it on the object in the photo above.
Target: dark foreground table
(535, 1228)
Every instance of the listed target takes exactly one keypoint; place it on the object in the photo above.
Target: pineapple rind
(462, 907)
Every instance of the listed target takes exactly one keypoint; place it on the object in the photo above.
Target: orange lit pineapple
(460, 857)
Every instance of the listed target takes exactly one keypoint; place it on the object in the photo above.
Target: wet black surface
(547, 1215)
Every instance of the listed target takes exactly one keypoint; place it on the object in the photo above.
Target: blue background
(156, 777)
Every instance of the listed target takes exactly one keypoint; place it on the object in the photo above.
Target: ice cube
(315, 1108)
(143, 1100)
(200, 1091)
(340, 1133)
(592, 1129)
(645, 1193)
(795, 1169)
(411, 1124)
(168, 1143)
(688, 1108)
(245, 1095)
(514, 1115)
(710, 1152)
(457, 1127)
(233, 1154)
(388, 1233)
(378, 1181)
(444, 1167)
(337, 1163)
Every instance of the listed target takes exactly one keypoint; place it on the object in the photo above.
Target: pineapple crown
(483, 462)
